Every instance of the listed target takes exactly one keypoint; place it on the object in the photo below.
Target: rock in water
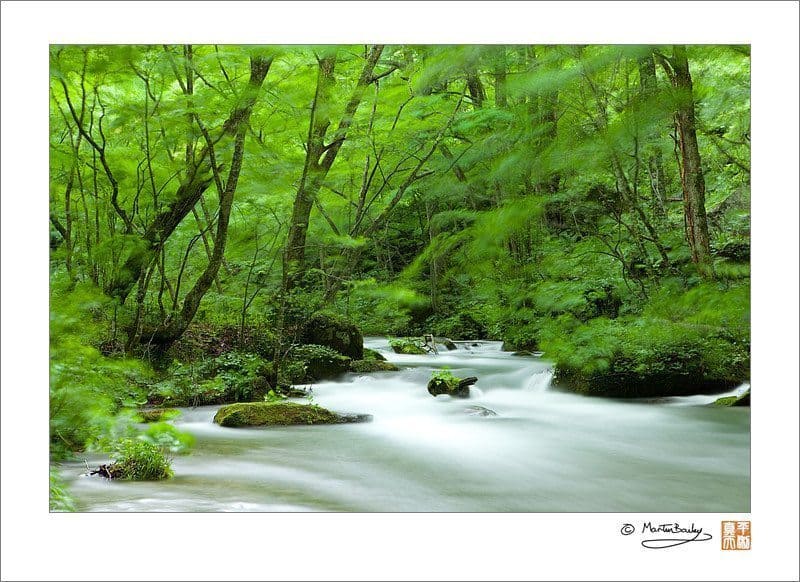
(366, 366)
(318, 362)
(456, 387)
(372, 355)
(479, 411)
(281, 414)
(327, 329)
(743, 400)
(446, 342)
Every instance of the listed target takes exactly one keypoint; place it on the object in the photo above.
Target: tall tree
(320, 156)
(171, 330)
(200, 174)
(692, 179)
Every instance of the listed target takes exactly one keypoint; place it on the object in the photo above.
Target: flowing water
(545, 450)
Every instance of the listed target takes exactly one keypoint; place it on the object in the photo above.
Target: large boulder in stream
(313, 363)
(444, 382)
(335, 332)
(652, 360)
(281, 414)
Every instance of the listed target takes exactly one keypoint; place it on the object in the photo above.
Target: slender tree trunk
(311, 179)
(199, 178)
(477, 92)
(694, 187)
(320, 158)
(655, 164)
(169, 332)
(351, 256)
(500, 71)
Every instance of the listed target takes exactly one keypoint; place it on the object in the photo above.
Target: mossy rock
(673, 375)
(335, 332)
(157, 414)
(281, 414)
(372, 355)
(409, 346)
(742, 400)
(313, 363)
(635, 361)
(520, 345)
(523, 353)
(446, 383)
(366, 366)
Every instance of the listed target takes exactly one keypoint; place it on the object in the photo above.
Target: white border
(36, 545)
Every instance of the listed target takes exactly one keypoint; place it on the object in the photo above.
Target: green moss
(366, 366)
(278, 413)
(372, 355)
(335, 332)
(310, 363)
(742, 400)
(669, 351)
(444, 382)
(157, 414)
(726, 401)
(411, 346)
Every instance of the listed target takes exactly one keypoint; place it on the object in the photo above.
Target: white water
(546, 450)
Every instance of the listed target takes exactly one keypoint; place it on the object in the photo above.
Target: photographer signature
(672, 534)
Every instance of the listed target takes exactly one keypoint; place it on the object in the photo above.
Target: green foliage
(168, 438)
(446, 376)
(678, 345)
(311, 362)
(230, 377)
(87, 389)
(523, 193)
(311, 351)
(140, 460)
(60, 499)
(157, 414)
(273, 396)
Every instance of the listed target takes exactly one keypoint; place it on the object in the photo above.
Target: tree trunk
(500, 71)
(692, 181)
(655, 165)
(199, 178)
(320, 158)
(477, 92)
(167, 334)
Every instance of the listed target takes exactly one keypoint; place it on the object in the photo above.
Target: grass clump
(139, 460)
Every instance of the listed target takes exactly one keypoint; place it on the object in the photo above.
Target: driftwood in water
(107, 471)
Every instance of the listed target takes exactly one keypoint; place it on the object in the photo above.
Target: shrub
(140, 460)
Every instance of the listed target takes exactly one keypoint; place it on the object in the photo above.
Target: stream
(544, 451)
